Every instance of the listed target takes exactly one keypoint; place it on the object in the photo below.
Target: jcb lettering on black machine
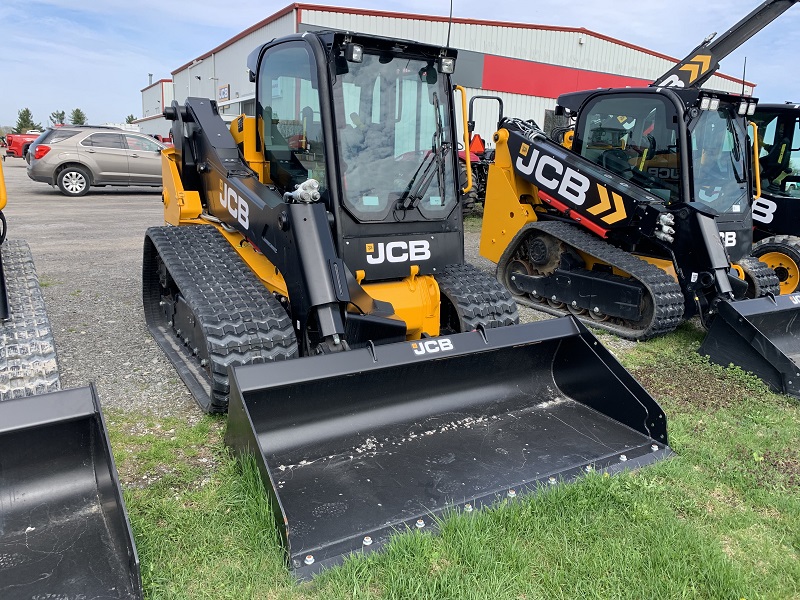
(551, 174)
(397, 252)
(236, 205)
(432, 346)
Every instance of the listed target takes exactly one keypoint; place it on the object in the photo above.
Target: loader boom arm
(294, 236)
(701, 63)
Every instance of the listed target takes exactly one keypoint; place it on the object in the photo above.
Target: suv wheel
(73, 181)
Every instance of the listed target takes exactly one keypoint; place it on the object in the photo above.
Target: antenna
(449, 24)
(744, 72)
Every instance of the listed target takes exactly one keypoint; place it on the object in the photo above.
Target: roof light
(742, 108)
(751, 109)
(705, 102)
(714, 105)
(447, 64)
(354, 53)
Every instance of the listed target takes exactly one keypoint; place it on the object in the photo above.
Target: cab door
(144, 159)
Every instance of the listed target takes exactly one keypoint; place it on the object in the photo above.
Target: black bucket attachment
(64, 532)
(762, 336)
(355, 445)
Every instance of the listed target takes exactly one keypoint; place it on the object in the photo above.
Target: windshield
(779, 151)
(393, 124)
(719, 161)
(635, 136)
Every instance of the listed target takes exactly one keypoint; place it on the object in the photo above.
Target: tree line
(25, 120)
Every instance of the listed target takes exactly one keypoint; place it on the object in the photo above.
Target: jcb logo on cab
(396, 252)
(728, 238)
(432, 346)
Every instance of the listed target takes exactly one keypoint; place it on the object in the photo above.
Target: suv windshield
(718, 142)
(393, 124)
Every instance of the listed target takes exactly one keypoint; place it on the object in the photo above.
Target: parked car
(18, 142)
(77, 157)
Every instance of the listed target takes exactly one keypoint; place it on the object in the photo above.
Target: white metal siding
(151, 100)
(229, 65)
(485, 112)
(565, 48)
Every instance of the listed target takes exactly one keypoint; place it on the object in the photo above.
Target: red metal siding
(546, 81)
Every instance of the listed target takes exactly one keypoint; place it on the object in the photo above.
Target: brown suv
(77, 157)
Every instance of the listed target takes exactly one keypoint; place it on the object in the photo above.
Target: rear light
(40, 151)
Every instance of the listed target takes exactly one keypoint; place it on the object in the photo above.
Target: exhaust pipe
(356, 445)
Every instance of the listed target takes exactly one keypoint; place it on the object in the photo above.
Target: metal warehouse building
(527, 66)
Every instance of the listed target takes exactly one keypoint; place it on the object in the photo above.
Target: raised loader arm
(292, 231)
(701, 63)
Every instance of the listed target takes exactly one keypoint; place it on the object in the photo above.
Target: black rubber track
(28, 363)
(478, 299)
(664, 291)
(761, 280)
(469, 201)
(789, 246)
(240, 320)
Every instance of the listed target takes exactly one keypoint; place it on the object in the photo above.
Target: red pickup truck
(18, 142)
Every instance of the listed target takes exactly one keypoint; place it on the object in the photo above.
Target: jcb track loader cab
(64, 532)
(317, 289)
(776, 214)
(644, 222)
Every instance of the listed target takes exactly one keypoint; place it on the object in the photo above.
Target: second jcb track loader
(623, 230)
(776, 214)
(643, 217)
(312, 282)
(64, 531)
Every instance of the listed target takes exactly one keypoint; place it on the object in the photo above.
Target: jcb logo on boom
(396, 252)
(432, 346)
(550, 174)
(236, 205)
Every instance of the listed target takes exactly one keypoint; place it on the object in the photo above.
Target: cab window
(290, 125)
(635, 137)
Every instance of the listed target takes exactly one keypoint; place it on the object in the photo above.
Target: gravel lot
(88, 254)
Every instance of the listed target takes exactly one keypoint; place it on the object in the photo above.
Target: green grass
(719, 520)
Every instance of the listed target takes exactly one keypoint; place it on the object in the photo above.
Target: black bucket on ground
(762, 336)
(64, 531)
(356, 445)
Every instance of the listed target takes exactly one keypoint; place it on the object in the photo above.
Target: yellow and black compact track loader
(311, 281)
(644, 217)
(776, 213)
(64, 532)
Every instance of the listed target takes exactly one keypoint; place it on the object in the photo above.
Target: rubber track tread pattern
(242, 321)
(761, 279)
(667, 296)
(478, 298)
(28, 361)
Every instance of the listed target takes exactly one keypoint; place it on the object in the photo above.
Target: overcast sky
(95, 54)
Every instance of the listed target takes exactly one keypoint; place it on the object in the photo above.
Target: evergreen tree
(25, 122)
(57, 117)
(130, 119)
(77, 117)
